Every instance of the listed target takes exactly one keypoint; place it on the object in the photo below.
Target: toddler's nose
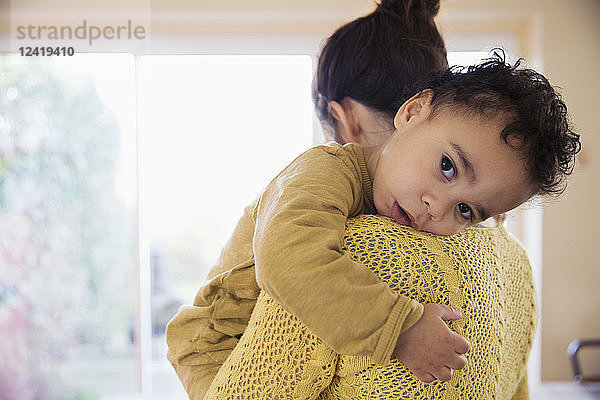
(436, 208)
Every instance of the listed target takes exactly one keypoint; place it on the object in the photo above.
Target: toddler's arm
(300, 225)
(201, 337)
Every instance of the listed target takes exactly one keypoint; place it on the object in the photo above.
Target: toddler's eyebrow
(465, 163)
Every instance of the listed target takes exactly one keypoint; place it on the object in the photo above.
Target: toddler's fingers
(461, 345)
(425, 377)
(448, 313)
(444, 374)
(457, 362)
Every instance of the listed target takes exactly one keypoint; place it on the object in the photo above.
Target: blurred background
(123, 169)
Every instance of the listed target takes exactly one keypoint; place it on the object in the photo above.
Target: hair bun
(427, 9)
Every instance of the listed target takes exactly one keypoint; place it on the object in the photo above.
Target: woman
(365, 71)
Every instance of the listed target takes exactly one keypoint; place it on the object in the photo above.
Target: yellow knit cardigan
(483, 272)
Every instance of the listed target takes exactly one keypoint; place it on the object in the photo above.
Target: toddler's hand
(429, 348)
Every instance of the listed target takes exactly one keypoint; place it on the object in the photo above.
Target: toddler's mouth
(400, 216)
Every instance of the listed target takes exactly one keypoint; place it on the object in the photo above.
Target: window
(67, 226)
(74, 298)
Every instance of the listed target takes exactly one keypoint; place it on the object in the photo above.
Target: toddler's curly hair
(537, 123)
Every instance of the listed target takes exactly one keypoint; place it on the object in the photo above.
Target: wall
(570, 293)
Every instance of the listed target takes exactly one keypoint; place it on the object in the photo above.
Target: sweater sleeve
(522, 392)
(298, 242)
(201, 337)
(276, 358)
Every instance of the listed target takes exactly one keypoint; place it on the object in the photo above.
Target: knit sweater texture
(483, 272)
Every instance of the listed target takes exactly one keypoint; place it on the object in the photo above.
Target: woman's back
(482, 272)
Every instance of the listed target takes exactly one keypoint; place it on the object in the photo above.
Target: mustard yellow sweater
(289, 242)
(482, 272)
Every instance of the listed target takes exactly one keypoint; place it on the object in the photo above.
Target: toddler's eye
(447, 168)
(465, 211)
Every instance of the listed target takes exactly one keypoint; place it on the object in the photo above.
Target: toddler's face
(445, 174)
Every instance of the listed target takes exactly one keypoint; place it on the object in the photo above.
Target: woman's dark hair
(536, 121)
(376, 59)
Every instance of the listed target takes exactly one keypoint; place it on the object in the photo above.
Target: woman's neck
(374, 127)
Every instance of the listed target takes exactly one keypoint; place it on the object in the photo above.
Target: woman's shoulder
(489, 238)
(483, 272)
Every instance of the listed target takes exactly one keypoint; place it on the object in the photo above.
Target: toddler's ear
(418, 106)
